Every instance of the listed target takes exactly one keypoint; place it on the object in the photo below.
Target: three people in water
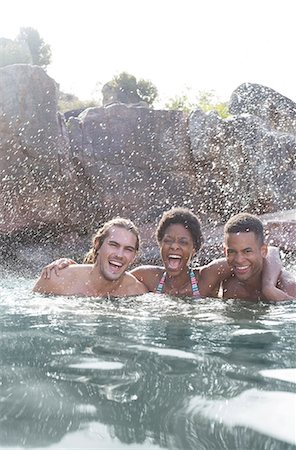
(249, 270)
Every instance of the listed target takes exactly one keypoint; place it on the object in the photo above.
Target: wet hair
(182, 216)
(245, 223)
(103, 232)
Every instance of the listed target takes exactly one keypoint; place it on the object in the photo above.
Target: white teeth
(242, 267)
(116, 263)
(175, 256)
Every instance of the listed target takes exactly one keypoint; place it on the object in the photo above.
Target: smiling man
(105, 273)
(245, 251)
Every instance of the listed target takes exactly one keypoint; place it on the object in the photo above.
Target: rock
(35, 161)
(242, 163)
(277, 111)
(136, 162)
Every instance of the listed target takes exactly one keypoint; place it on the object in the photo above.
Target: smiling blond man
(105, 273)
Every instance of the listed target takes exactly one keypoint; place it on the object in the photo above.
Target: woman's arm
(56, 266)
(50, 285)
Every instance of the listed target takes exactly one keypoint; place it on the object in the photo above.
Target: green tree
(205, 100)
(40, 52)
(180, 102)
(68, 102)
(127, 89)
(147, 91)
(12, 52)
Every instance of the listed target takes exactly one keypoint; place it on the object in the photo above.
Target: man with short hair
(114, 249)
(245, 251)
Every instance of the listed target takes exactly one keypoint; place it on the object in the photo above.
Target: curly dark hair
(182, 216)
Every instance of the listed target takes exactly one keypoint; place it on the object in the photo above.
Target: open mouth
(115, 265)
(241, 270)
(174, 262)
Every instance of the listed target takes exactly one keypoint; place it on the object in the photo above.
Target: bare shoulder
(287, 283)
(133, 286)
(149, 275)
(147, 269)
(59, 284)
(211, 275)
(217, 268)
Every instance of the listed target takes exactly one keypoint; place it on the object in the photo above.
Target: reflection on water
(152, 372)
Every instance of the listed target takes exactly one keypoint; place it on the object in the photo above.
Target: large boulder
(35, 165)
(135, 161)
(277, 111)
(245, 163)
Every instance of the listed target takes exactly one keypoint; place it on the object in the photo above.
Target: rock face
(250, 164)
(276, 111)
(137, 162)
(35, 160)
(133, 161)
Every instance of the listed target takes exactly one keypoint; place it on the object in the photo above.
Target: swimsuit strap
(159, 288)
(194, 285)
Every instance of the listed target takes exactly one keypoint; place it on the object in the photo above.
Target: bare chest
(232, 288)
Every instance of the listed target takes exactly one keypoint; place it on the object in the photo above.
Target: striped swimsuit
(194, 285)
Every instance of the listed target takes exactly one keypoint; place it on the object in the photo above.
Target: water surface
(144, 373)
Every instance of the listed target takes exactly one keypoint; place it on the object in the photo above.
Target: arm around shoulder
(134, 286)
(48, 285)
(277, 284)
(149, 275)
(211, 276)
(287, 285)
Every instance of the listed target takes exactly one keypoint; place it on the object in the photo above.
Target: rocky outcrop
(136, 162)
(35, 163)
(276, 111)
(250, 166)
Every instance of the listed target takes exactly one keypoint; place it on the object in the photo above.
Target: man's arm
(277, 285)
(135, 287)
(149, 275)
(211, 277)
(287, 284)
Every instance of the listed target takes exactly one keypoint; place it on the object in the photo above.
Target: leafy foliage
(27, 48)
(205, 100)
(128, 90)
(12, 52)
(147, 91)
(40, 52)
(68, 102)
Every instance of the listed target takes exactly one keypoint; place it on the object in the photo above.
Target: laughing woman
(180, 239)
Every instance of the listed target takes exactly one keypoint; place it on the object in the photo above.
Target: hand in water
(56, 265)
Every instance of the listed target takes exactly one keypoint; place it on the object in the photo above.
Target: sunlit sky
(199, 45)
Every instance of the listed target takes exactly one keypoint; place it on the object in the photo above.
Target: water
(144, 373)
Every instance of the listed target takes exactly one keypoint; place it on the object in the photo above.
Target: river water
(144, 373)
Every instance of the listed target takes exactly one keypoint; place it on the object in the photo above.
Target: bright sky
(176, 44)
